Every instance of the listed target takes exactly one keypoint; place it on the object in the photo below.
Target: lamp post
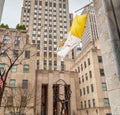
(62, 97)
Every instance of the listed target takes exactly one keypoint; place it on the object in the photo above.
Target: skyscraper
(1, 8)
(47, 22)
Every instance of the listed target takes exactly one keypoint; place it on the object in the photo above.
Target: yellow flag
(78, 25)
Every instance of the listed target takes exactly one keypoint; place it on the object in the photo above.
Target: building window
(79, 81)
(93, 102)
(27, 54)
(102, 72)
(10, 101)
(1, 67)
(6, 39)
(90, 74)
(85, 104)
(62, 66)
(12, 83)
(86, 76)
(25, 84)
(81, 104)
(26, 68)
(89, 105)
(84, 91)
(79, 69)
(104, 87)
(85, 64)
(88, 61)
(100, 59)
(106, 102)
(17, 41)
(82, 78)
(80, 92)
(14, 68)
(87, 89)
(15, 53)
(92, 88)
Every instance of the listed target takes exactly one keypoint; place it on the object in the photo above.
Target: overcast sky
(12, 10)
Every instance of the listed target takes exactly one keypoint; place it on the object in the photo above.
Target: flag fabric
(74, 35)
(78, 25)
(1, 83)
(70, 43)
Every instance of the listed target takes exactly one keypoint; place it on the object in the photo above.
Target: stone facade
(93, 97)
(109, 34)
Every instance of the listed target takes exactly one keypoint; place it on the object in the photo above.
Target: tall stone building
(109, 33)
(1, 8)
(93, 97)
(47, 22)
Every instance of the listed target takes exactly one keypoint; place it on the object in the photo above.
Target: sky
(12, 10)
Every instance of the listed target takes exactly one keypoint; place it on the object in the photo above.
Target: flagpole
(83, 7)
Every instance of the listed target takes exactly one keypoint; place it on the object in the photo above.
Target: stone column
(108, 31)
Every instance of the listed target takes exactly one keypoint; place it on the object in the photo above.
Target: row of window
(92, 103)
(13, 82)
(80, 68)
(88, 104)
(85, 77)
(88, 88)
(14, 68)
(87, 91)
(83, 66)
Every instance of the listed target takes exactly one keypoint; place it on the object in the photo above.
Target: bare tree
(19, 100)
(11, 53)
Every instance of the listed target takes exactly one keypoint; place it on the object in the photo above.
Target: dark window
(88, 61)
(45, 62)
(81, 104)
(15, 53)
(25, 84)
(10, 101)
(85, 64)
(50, 54)
(23, 101)
(82, 78)
(84, 91)
(45, 54)
(38, 46)
(64, 5)
(93, 102)
(38, 54)
(90, 74)
(79, 81)
(85, 104)
(89, 105)
(79, 69)
(88, 89)
(92, 88)
(102, 72)
(80, 92)
(62, 66)
(55, 63)
(86, 76)
(100, 59)
(27, 54)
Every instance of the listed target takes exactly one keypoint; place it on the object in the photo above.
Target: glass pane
(26, 68)
(12, 83)
(14, 68)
